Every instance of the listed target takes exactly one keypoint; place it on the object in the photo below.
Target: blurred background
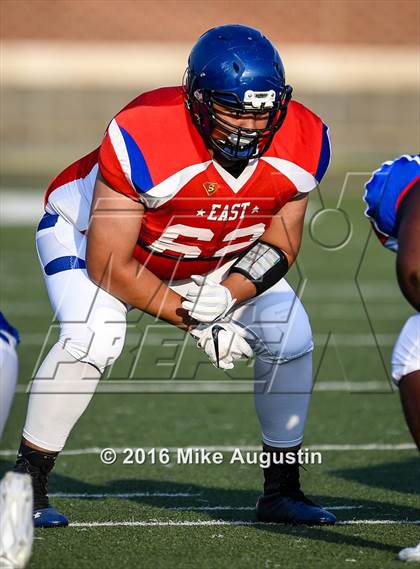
(68, 66)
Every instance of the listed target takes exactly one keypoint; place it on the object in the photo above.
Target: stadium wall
(67, 68)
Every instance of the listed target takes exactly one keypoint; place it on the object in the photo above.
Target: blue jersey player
(9, 339)
(16, 533)
(393, 199)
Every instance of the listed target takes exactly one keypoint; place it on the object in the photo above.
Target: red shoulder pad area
(303, 139)
(159, 127)
(112, 170)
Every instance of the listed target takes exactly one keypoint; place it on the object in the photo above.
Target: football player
(191, 210)
(16, 527)
(393, 200)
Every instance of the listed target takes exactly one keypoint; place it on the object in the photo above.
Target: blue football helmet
(238, 68)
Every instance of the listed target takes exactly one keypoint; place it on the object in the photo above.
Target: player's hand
(223, 342)
(206, 300)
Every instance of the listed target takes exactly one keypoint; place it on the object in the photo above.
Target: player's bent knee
(99, 341)
(298, 339)
(284, 335)
(406, 353)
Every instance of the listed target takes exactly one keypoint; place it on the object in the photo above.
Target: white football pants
(93, 328)
(8, 375)
(406, 353)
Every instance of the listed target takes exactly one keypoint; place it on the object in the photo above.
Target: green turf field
(190, 516)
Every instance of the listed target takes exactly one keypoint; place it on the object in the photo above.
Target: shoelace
(286, 482)
(299, 495)
(39, 482)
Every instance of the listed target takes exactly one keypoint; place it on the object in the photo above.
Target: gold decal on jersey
(210, 187)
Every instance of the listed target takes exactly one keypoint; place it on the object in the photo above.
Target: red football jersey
(197, 215)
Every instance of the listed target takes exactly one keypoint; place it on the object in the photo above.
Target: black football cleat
(38, 465)
(297, 510)
(283, 502)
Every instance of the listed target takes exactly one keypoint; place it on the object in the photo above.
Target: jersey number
(167, 239)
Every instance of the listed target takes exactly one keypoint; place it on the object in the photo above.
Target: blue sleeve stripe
(325, 155)
(48, 220)
(6, 327)
(64, 264)
(4, 337)
(140, 175)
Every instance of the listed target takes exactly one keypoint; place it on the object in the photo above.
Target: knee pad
(406, 353)
(99, 341)
(281, 328)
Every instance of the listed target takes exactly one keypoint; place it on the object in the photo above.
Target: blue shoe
(297, 510)
(49, 518)
(44, 515)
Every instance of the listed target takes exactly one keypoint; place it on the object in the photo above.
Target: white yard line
(212, 508)
(354, 386)
(378, 522)
(246, 508)
(129, 495)
(187, 523)
(223, 386)
(352, 340)
(124, 495)
(229, 448)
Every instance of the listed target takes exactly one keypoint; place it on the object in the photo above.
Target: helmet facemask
(231, 141)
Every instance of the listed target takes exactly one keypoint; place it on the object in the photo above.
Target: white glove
(206, 301)
(223, 343)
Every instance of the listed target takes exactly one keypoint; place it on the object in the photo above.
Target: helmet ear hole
(236, 67)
